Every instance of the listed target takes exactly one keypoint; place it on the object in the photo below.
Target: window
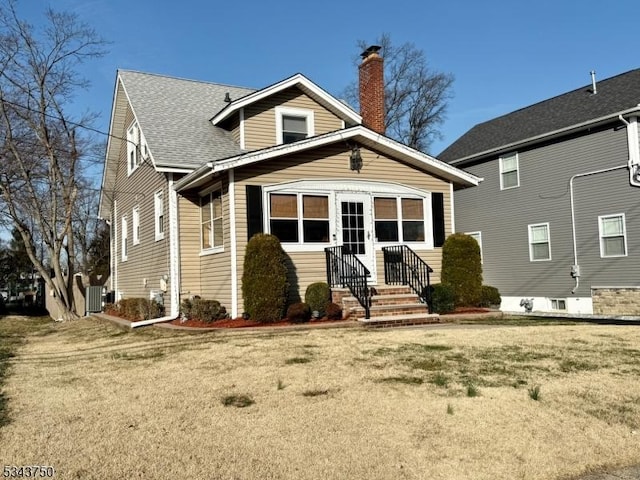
(211, 220)
(136, 225)
(478, 238)
(133, 143)
(299, 218)
(539, 245)
(159, 215)
(613, 235)
(558, 304)
(293, 124)
(124, 235)
(509, 172)
(399, 219)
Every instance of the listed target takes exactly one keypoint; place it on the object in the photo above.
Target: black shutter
(437, 212)
(254, 210)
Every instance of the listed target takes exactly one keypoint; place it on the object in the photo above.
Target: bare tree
(41, 144)
(416, 97)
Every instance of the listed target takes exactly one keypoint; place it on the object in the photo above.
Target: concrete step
(390, 310)
(399, 320)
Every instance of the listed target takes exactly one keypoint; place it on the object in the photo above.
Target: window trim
(529, 228)
(124, 236)
(133, 143)
(502, 172)
(135, 218)
(206, 194)
(301, 245)
(558, 300)
(158, 211)
(479, 240)
(281, 112)
(426, 208)
(601, 236)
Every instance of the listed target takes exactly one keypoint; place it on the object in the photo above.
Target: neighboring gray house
(558, 213)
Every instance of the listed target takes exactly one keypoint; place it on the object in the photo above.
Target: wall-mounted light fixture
(355, 160)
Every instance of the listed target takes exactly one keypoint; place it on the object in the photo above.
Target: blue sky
(504, 54)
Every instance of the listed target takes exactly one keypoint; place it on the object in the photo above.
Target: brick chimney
(371, 87)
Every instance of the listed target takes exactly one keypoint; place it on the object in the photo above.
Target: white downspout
(174, 250)
(233, 240)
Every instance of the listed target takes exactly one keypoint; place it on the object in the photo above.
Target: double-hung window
(158, 208)
(613, 235)
(399, 219)
(136, 225)
(293, 124)
(299, 218)
(477, 236)
(539, 242)
(509, 172)
(211, 220)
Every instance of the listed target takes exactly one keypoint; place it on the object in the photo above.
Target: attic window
(133, 144)
(509, 172)
(293, 124)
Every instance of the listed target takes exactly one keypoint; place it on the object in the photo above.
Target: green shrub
(299, 312)
(443, 298)
(206, 311)
(264, 279)
(489, 296)
(136, 309)
(461, 269)
(334, 311)
(317, 296)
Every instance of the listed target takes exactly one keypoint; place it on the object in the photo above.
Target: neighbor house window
(158, 202)
(477, 236)
(293, 124)
(136, 225)
(613, 235)
(509, 172)
(124, 235)
(211, 220)
(399, 219)
(558, 304)
(299, 218)
(539, 244)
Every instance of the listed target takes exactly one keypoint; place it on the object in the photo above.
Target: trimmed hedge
(299, 312)
(206, 311)
(136, 309)
(443, 298)
(264, 279)
(490, 296)
(462, 269)
(317, 296)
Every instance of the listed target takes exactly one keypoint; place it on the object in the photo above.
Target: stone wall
(616, 300)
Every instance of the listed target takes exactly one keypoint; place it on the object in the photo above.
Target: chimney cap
(372, 50)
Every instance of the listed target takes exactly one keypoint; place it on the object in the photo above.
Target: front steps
(391, 306)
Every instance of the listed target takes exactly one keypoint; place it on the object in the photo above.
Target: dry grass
(99, 403)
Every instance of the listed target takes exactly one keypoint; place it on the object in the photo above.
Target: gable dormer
(285, 112)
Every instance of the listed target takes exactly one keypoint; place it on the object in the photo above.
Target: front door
(355, 227)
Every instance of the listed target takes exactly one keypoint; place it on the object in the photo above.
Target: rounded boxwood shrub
(264, 279)
(461, 269)
(317, 296)
(443, 298)
(206, 311)
(490, 296)
(299, 312)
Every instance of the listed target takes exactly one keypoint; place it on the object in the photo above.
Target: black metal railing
(345, 270)
(403, 266)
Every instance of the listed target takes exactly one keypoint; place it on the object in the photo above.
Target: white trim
(135, 220)
(602, 237)
(298, 80)
(501, 169)
(548, 242)
(174, 249)
(281, 112)
(173, 170)
(124, 237)
(363, 135)
(133, 147)
(453, 216)
(234, 246)
(242, 125)
(477, 234)
(575, 305)
(114, 248)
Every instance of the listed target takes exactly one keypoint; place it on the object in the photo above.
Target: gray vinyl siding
(543, 196)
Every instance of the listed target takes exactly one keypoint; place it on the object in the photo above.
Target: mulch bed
(460, 310)
(242, 323)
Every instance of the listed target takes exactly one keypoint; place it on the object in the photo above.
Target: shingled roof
(573, 109)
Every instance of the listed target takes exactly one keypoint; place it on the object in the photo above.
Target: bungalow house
(194, 169)
(558, 213)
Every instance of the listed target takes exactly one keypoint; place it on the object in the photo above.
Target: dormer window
(293, 124)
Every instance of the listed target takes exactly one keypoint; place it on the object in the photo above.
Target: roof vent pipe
(593, 82)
